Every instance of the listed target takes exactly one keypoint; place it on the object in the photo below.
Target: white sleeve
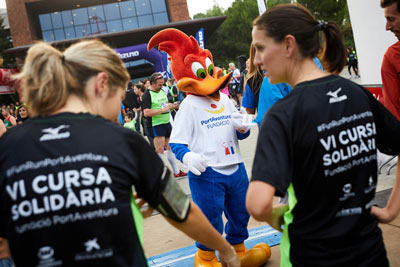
(182, 130)
(232, 107)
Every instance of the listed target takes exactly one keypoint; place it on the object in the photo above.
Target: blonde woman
(66, 199)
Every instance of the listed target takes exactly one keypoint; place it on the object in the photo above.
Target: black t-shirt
(319, 144)
(352, 57)
(130, 100)
(146, 103)
(254, 83)
(66, 188)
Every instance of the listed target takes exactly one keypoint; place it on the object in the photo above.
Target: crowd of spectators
(12, 114)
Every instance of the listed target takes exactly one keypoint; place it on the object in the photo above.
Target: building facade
(119, 23)
(58, 20)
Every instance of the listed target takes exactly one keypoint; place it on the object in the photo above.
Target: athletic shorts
(162, 130)
(239, 89)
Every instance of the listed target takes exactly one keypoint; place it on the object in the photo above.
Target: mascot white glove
(196, 163)
(237, 120)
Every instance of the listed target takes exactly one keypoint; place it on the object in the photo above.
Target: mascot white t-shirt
(205, 126)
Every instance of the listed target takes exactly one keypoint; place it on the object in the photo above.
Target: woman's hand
(276, 219)
(229, 258)
(141, 202)
(381, 214)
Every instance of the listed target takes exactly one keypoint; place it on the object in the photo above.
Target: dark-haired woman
(22, 114)
(319, 145)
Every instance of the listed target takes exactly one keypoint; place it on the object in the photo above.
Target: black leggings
(354, 66)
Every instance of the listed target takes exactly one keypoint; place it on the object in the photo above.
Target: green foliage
(5, 43)
(332, 10)
(233, 37)
(215, 11)
(271, 3)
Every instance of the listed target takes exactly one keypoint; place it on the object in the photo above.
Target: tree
(332, 10)
(5, 43)
(215, 11)
(271, 3)
(233, 37)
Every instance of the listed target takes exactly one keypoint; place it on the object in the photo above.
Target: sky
(201, 6)
(195, 6)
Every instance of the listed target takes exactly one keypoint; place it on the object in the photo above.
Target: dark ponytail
(333, 55)
(296, 20)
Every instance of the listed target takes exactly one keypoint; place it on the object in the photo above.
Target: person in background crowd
(9, 120)
(352, 62)
(122, 114)
(223, 90)
(330, 209)
(131, 104)
(243, 76)
(391, 65)
(146, 84)
(12, 109)
(130, 120)
(173, 96)
(22, 114)
(234, 84)
(3, 128)
(156, 109)
(2, 106)
(97, 183)
(139, 90)
(253, 84)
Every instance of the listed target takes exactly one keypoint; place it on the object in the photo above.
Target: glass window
(69, 33)
(67, 18)
(57, 20)
(114, 25)
(145, 21)
(83, 30)
(112, 11)
(158, 6)
(59, 34)
(48, 36)
(130, 23)
(96, 12)
(45, 22)
(80, 16)
(127, 9)
(160, 18)
(142, 7)
(98, 28)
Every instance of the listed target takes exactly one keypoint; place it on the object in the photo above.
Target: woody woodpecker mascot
(205, 138)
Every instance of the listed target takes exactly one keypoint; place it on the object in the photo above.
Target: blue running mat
(184, 257)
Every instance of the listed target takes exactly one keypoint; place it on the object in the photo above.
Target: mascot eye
(199, 70)
(210, 66)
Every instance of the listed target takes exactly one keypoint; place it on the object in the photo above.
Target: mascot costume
(205, 138)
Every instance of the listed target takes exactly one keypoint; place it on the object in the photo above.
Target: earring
(102, 94)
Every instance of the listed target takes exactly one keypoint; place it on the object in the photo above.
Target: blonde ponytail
(50, 76)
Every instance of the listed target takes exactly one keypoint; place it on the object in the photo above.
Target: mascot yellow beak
(209, 86)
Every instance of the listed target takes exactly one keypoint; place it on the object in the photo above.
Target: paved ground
(160, 237)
